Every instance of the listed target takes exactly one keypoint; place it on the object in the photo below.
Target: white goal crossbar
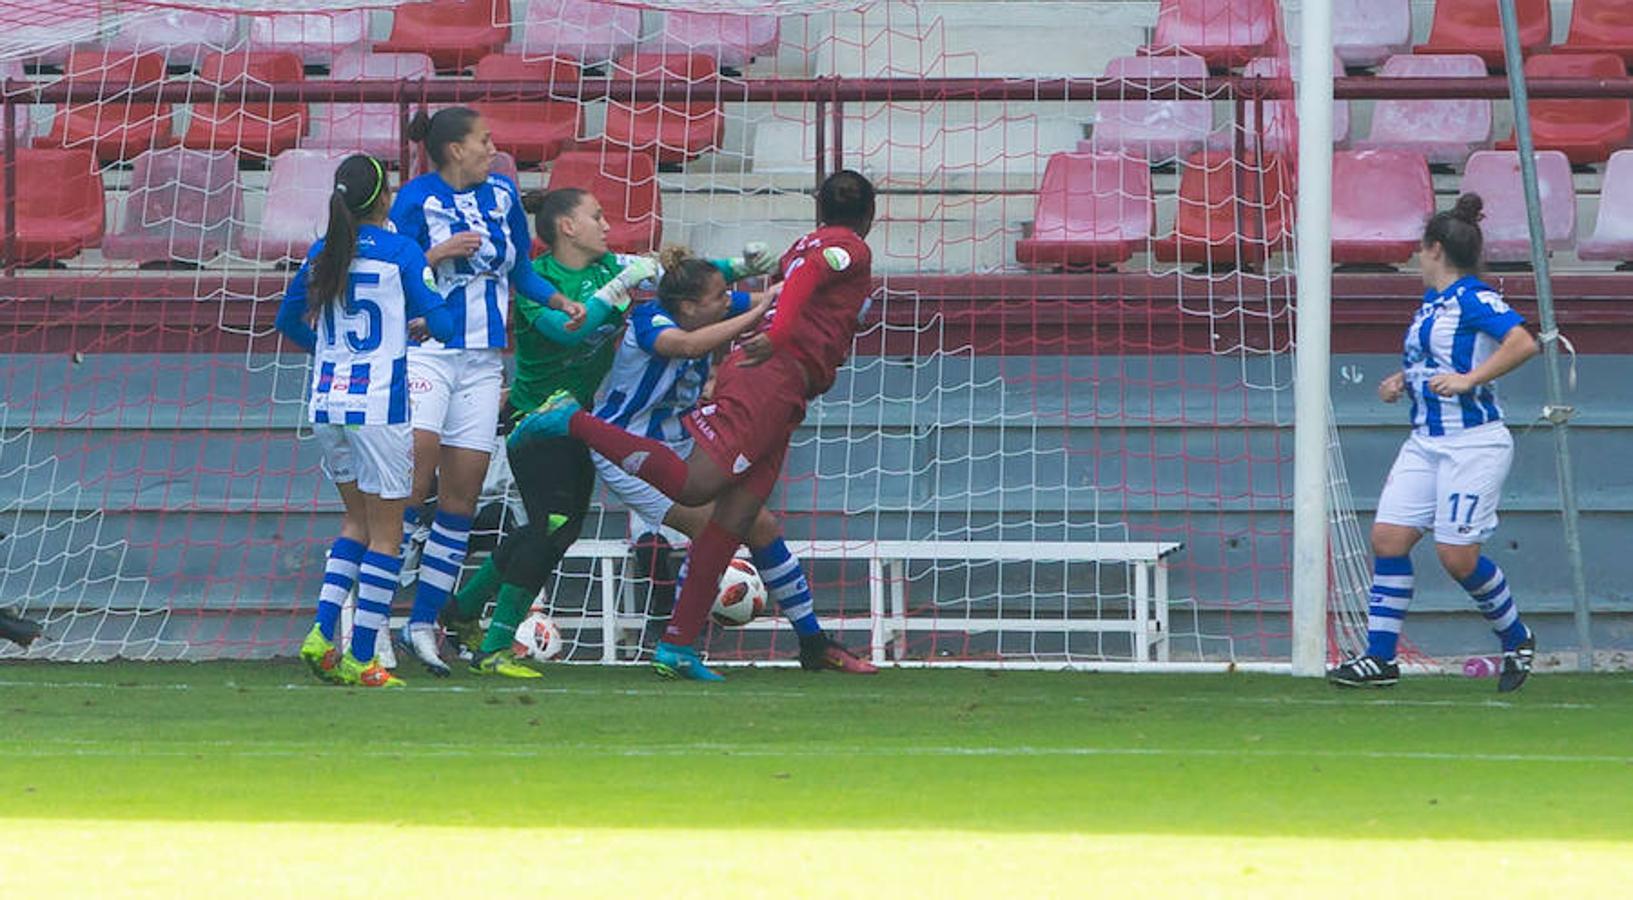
(888, 623)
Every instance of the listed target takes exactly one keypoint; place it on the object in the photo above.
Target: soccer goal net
(1065, 435)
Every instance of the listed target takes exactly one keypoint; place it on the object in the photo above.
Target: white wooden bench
(888, 623)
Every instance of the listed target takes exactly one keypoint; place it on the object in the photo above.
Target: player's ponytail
(685, 277)
(550, 207)
(360, 185)
(846, 198)
(1457, 231)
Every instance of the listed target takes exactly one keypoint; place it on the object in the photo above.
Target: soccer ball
(537, 638)
(742, 595)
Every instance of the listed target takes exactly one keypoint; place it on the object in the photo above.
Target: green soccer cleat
(682, 662)
(369, 675)
(320, 655)
(547, 421)
(502, 663)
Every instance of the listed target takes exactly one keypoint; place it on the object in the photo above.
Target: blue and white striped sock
(411, 524)
(785, 581)
(339, 574)
(439, 565)
(1386, 610)
(376, 583)
(1489, 588)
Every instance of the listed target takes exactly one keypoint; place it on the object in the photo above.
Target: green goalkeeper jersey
(544, 366)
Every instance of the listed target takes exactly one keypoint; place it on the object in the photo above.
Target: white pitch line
(96, 748)
(678, 691)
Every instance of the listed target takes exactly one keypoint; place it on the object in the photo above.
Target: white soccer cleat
(384, 652)
(421, 638)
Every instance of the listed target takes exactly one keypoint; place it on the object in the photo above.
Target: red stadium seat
(373, 128)
(111, 125)
(454, 33)
(250, 128)
(1445, 132)
(1600, 26)
(1613, 229)
(1586, 131)
(1495, 176)
(1277, 120)
(59, 204)
(1473, 26)
(731, 39)
(50, 27)
(675, 130)
(1231, 212)
(627, 186)
(1367, 32)
(180, 206)
(182, 36)
(533, 132)
(317, 37)
(1158, 130)
(1093, 209)
(505, 164)
(1226, 33)
(1380, 201)
(590, 32)
(297, 205)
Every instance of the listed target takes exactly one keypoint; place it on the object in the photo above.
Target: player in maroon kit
(759, 399)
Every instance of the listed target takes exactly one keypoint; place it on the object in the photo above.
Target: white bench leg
(876, 611)
(1142, 613)
(896, 571)
(609, 612)
(1162, 610)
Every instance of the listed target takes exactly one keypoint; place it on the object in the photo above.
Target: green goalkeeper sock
(478, 590)
(508, 613)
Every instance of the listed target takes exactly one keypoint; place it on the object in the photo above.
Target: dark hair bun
(532, 202)
(418, 127)
(1468, 209)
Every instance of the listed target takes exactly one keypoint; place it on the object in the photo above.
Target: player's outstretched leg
(652, 461)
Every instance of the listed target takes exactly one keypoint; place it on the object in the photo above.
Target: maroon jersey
(827, 281)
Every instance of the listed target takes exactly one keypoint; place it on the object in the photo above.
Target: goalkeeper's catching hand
(756, 260)
(617, 292)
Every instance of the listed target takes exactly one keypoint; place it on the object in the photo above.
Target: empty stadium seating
(1158, 130)
(591, 32)
(454, 33)
(1380, 201)
(732, 40)
(1367, 32)
(182, 36)
(55, 26)
(1495, 176)
(59, 204)
(1444, 131)
(180, 207)
(1600, 26)
(316, 37)
(532, 131)
(297, 206)
(1231, 212)
(1612, 237)
(1586, 131)
(256, 128)
(111, 125)
(1473, 26)
(1093, 209)
(627, 186)
(1226, 33)
(373, 128)
(675, 130)
(1277, 120)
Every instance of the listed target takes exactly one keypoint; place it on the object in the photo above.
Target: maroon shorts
(746, 426)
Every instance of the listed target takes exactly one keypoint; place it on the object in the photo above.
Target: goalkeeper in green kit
(556, 477)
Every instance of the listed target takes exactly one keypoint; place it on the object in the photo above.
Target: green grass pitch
(249, 779)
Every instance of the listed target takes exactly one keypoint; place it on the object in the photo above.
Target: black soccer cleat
(1365, 671)
(18, 630)
(1517, 664)
(820, 653)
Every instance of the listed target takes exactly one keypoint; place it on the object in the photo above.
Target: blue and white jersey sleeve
(1454, 332)
(646, 322)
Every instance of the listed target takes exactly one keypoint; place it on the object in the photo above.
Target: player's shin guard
(649, 460)
(376, 582)
(785, 582)
(1489, 588)
(1392, 584)
(339, 575)
(711, 553)
(439, 566)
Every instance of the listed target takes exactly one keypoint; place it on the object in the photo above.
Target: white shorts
(380, 458)
(644, 501)
(1450, 484)
(455, 393)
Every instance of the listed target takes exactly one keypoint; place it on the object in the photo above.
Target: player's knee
(1392, 540)
(1458, 560)
(765, 529)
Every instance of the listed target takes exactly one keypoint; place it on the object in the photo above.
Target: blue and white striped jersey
(647, 394)
(476, 288)
(360, 361)
(1454, 331)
